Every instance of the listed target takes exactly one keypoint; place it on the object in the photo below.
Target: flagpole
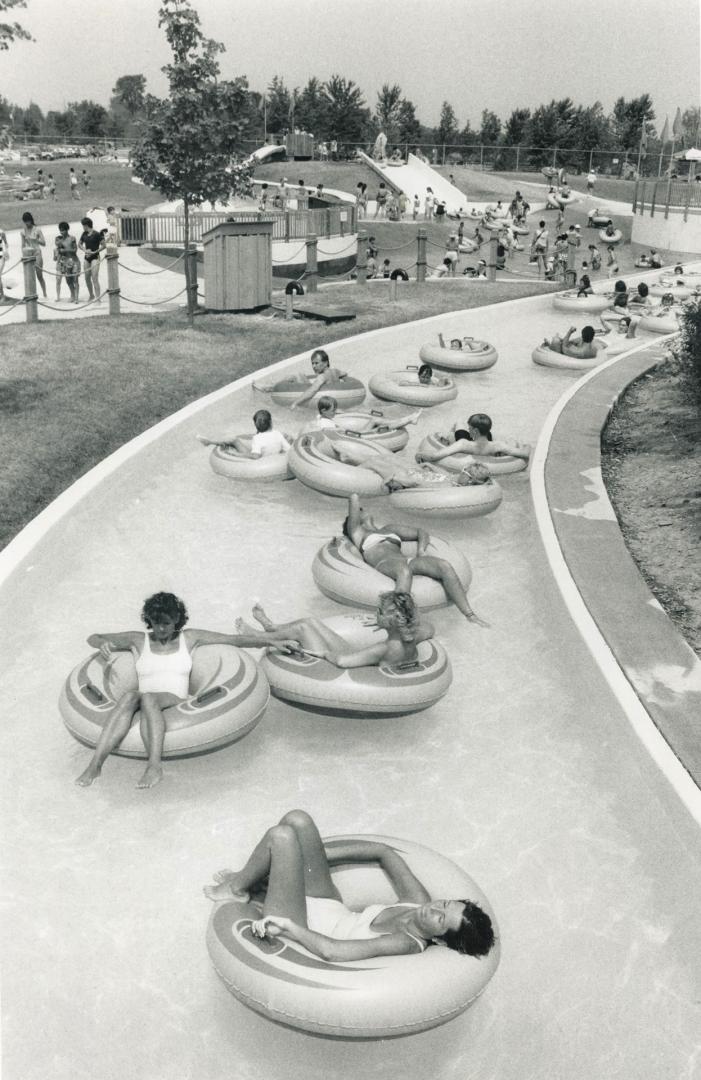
(640, 149)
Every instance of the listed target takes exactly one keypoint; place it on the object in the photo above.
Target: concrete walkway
(527, 773)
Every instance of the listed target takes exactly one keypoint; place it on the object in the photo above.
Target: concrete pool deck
(527, 773)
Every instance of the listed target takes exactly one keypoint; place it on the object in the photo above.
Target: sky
(476, 54)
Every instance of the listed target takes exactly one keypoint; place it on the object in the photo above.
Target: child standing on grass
(416, 206)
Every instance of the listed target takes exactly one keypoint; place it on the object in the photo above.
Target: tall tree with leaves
(278, 102)
(189, 142)
(631, 118)
(447, 130)
(347, 115)
(129, 92)
(10, 32)
(408, 126)
(310, 110)
(490, 128)
(389, 103)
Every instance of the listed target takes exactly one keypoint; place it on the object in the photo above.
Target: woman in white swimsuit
(381, 548)
(163, 658)
(303, 903)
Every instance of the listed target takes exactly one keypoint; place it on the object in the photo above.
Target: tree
(190, 140)
(278, 105)
(129, 92)
(408, 126)
(310, 109)
(490, 128)
(387, 109)
(630, 119)
(91, 119)
(10, 32)
(447, 130)
(347, 116)
(517, 127)
(691, 124)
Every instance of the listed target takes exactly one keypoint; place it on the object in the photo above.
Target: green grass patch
(72, 393)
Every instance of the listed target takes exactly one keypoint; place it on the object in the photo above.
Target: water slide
(414, 176)
(269, 152)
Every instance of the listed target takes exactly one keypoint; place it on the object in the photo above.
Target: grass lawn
(111, 185)
(65, 403)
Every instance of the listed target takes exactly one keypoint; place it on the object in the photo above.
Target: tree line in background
(336, 110)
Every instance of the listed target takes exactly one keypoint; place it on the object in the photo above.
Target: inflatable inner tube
(228, 695)
(614, 239)
(312, 461)
(449, 500)
(675, 289)
(226, 461)
(497, 464)
(494, 225)
(569, 301)
(363, 691)
(404, 387)
(664, 323)
(478, 357)
(342, 574)
(347, 391)
(368, 999)
(399, 275)
(391, 435)
(467, 246)
(548, 357)
(294, 287)
(599, 221)
(520, 230)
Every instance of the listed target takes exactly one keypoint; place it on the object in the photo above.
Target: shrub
(687, 349)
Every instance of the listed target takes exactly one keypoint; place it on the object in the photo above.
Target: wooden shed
(238, 265)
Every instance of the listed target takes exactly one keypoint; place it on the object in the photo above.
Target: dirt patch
(651, 463)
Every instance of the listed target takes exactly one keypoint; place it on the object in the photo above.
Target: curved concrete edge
(31, 535)
(650, 668)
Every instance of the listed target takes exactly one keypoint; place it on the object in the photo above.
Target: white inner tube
(547, 357)
(384, 690)
(497, 464)
(228, 695)
(226, 461)
(404, 387)
(370, 999)
(474, 356)
(312, 461)
(341, 573)
(569, 301)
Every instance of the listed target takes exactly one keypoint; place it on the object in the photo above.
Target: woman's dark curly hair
(475, 936)
(164, 605)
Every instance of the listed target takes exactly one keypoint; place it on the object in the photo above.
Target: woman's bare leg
(277, 857)
(153, 729)
(40, 279)
(310, 632)
(112, 734)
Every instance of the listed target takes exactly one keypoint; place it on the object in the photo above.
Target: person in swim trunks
(163, 656)
(302, 902)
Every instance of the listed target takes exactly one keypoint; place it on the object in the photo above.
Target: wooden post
(635, 196)
(361, 261)
(29, 263)
(492, 264)
(591, 159)
(393, 288)
(191, 279)
(421, 255)
(113, 291)
(668, 199)
(289, 307)
(571, 271)
(518, 151)
(311, 276)
(688, 200)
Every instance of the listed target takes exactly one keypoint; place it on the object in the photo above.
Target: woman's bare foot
(226, 889)
(243, 627)
(152, 776)
(89, 776)
(260, 616)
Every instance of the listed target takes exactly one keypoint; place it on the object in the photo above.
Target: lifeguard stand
(238, 265)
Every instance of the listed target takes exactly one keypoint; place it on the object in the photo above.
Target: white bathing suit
(164, 673)
(333, 919)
